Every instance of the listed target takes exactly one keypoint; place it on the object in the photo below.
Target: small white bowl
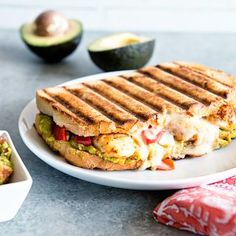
(13, 194)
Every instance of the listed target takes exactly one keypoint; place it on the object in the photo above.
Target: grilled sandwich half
(140, 120)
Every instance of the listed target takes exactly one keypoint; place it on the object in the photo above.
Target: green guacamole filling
(44, 126)
(6, 167)
(226, 135)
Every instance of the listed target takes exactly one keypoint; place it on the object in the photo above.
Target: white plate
(215, 166)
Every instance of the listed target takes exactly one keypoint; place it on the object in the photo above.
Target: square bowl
(13, 193)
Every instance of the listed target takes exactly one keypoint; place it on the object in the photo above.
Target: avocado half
(121, 51)
(52, 48)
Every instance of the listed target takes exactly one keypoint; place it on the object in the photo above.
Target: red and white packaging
(207, 210)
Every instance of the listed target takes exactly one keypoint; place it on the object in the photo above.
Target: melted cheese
(156, 156)
(202, 133)
(153, 154)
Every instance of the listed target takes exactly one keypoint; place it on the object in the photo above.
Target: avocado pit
(51, 23)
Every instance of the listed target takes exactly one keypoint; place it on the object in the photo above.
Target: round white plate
(190, 172)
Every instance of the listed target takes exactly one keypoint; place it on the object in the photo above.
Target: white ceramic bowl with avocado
(15, 190)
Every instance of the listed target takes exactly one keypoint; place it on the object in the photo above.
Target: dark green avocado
(52, 47)
(121, 51)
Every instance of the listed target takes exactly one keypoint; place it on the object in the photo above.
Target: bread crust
(217, 75)
(86, 160)
(83, 119)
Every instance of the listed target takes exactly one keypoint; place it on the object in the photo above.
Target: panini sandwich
(139, 120)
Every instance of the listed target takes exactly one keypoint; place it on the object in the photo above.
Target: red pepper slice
(59, 133)
(159, 135)
(151, 136)
(167, 164)
(83, 140)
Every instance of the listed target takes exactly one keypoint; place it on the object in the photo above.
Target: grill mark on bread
(101, 104)
(58, 98)
(195, 78)
(79, 105)
(124, 101)
(141, 94)
(180, 85)
(165, 92)
(216, 75)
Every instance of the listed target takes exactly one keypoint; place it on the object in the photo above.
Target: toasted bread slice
(209, 95)
(198, 79)
(174, 96)
(88, 161)
(91, 109)
(122, 104)
(217, 75)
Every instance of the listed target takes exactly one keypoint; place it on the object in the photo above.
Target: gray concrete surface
(62, 205)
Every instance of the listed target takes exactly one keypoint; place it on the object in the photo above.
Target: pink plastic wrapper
(208, 209)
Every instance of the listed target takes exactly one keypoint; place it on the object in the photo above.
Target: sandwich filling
(225, 119)
(178, 136)
(151, 145)
(195, 135)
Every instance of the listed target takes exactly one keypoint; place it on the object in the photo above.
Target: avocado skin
(128, 57)
(55, 53)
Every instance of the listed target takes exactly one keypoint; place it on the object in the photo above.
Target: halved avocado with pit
(121, 51)
(52, 47)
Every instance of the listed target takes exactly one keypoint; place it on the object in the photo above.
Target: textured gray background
(62, 205)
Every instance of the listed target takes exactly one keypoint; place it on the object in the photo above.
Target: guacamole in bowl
(6, 167)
